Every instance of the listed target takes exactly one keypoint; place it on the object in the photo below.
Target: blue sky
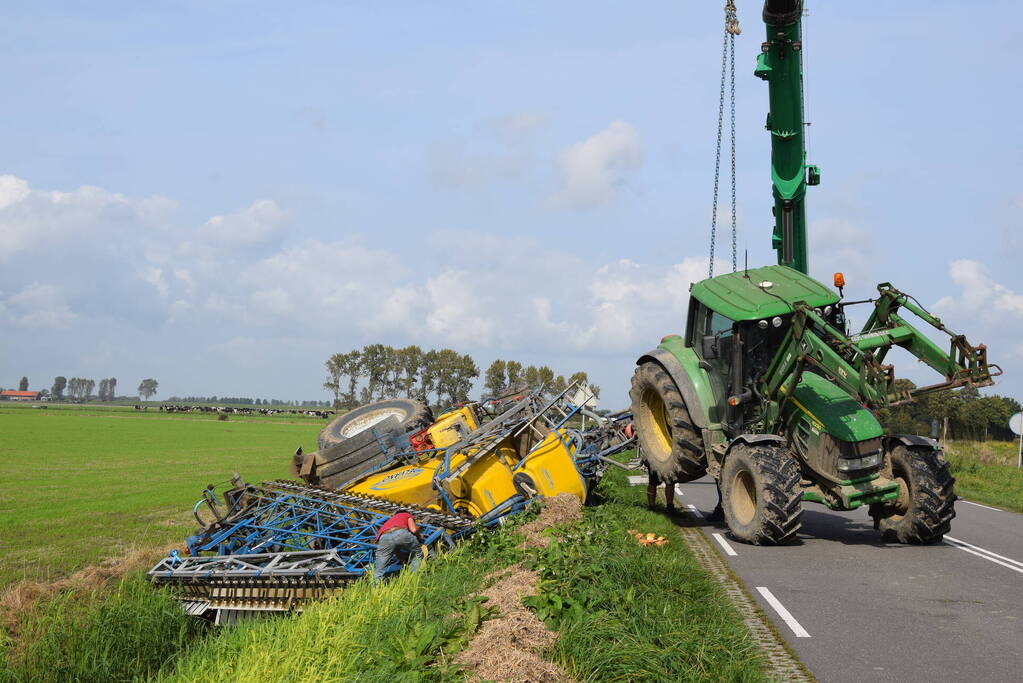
(221, 194)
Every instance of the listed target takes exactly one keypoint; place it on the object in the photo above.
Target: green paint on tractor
(760, 293)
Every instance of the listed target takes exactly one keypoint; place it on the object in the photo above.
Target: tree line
(504, 376)
(247, 401)
(82, 388)
(438, 376)
(968, 414)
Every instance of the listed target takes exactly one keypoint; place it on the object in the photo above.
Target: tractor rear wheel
(760, 494)
(926, 505)
(412, 415)
(671, 444)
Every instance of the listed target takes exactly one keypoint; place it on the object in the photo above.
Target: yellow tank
(452, 426)
(547, 470)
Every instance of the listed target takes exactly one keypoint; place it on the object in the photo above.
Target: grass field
(987, 473)
(650, 614)
(81, 484)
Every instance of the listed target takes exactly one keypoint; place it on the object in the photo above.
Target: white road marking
(692, 508)
(785, 615)
(724, 544)
(986, 507)
(678, 490)
(1014, 565)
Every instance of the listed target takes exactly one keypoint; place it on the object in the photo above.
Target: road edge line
(783, 612)
(780, 662)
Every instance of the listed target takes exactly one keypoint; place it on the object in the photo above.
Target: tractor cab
(738, 321)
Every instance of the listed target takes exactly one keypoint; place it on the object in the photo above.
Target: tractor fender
(697, 411)
(910, 440)
(750, 439)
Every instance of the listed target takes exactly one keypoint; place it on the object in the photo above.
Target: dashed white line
(970, 502)
(692, 509)
(785, 615)
(724, 544)
(1009, 563)
(678, 490)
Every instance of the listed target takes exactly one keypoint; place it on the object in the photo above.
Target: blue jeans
(392, 543)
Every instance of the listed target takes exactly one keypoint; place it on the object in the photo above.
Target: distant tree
(57, 390)
(45, 393)
(332, 382)
(545, 376)
(531, 377)
(494, 378)
(513, 370)
(148, 387)
(103, 389)
(112, 389)
(23, 384)
(90, 384)
(559, 385)
(410, 359)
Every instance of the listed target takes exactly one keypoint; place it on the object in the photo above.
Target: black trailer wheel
(412, 415)
(760, 494)
(671, 445)
(926, 505)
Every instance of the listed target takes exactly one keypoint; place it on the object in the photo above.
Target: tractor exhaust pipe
(782, 12)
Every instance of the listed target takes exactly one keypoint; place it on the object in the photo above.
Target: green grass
(89, 482)
(85, 483)
(987, 473)
(640, 613)
(131, 632)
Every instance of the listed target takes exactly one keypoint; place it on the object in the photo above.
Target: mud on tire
(761, 494)
(671, 444)
(413, 416)
(926, 505)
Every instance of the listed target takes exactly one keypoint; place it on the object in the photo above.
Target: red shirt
(399, 521)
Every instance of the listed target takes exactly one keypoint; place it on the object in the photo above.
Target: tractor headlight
(763, 324)
(776, 321)
(827, 311)
(864, 463)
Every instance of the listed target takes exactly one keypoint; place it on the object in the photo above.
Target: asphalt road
(863, 610)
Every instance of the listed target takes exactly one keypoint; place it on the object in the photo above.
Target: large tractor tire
(412, 415)
(670, 442)
(926, 505)
(760, 494)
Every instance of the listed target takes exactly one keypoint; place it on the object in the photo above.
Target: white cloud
(33, 219)
(991, 312)
(251, 225)
(594, 169)
(39, 306)
(980, 296)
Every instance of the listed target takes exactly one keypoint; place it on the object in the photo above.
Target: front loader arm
(962, 365)
(856, 363)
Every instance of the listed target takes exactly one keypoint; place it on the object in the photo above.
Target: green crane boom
(780, 64)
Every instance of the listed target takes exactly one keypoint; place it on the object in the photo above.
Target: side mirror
(710, 347)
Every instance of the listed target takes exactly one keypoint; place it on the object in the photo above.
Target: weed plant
(114, 637)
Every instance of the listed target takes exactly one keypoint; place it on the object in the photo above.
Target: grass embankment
(82, 484)
(622, 611)
(986, 472)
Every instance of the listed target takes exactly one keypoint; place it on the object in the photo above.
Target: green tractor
(770, 393)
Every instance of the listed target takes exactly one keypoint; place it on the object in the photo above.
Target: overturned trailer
(276, 546)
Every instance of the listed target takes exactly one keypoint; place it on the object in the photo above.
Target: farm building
(12, 395)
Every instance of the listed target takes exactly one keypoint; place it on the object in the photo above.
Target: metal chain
(731, 62)
(732, 29)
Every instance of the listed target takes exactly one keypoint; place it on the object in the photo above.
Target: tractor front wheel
(760, 494)
(672, 446)
(923, 512)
